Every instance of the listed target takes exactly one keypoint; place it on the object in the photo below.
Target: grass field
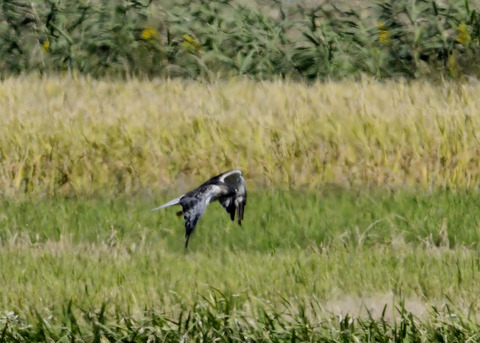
(361, 225)
(338, 252)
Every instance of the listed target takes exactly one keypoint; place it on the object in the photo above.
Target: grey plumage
(228, 188)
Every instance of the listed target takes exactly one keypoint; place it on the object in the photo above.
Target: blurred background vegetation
(264, 40)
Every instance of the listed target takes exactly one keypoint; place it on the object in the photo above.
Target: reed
(269, 40)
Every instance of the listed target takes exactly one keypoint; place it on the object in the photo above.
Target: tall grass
(80, 136)
(217, 319)
(273, 39)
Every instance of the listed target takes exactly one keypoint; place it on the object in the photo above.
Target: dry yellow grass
(63, 135)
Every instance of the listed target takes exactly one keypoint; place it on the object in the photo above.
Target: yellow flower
(148, 33)
(189, 38)
(383, 34)
(190, 43)
(46, 46)
(463, 37)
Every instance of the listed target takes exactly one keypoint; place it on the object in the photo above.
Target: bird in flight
(228, 188)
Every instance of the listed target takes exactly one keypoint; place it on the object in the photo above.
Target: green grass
(300, 40)
(276, 219)
(80, 263)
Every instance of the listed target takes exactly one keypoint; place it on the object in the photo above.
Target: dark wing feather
(193, 208)
(242, 202)
(229, 205)
(237, 201)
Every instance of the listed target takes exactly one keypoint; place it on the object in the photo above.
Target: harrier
(228, 188)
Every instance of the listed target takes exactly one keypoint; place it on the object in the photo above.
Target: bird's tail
(168, 204)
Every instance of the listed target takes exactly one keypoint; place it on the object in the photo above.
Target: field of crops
(63, 136)
(361, 225)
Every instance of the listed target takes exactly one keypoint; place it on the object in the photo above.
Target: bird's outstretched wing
(194, 205)
(237, 201)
